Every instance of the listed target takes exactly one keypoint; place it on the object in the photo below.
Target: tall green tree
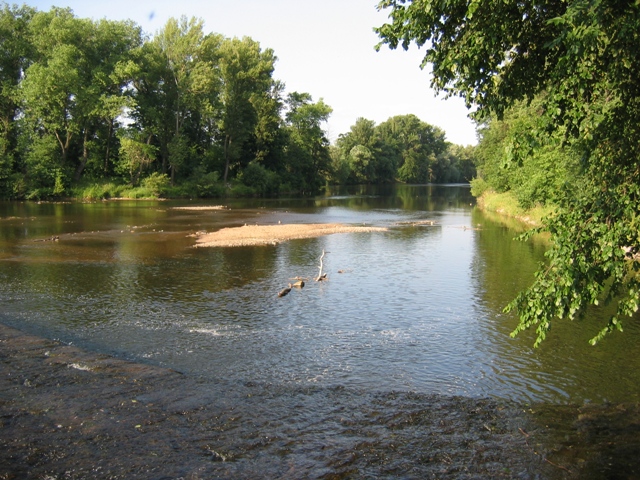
(111, 75)
(402, 148)
(190, 72)
(457, 164)
(414, 145)
(74, 86)
(55, 89)
(248, 96)
(93, 99)
(308, 157)
(584, 56)
(360, 148)
(15, 56)
(154, 94)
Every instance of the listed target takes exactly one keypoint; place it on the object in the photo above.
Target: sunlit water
(416, 308)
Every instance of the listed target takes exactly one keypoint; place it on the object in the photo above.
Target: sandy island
(250, 235)
(203, 208)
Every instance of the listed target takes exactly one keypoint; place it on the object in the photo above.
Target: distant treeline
(96, 108)
(404, 149)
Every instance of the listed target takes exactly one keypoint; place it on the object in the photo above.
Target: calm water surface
(417, 308)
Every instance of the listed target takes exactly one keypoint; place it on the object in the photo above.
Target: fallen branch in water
(284, 291)
(321, 276)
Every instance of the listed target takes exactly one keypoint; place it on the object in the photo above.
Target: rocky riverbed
(67, 413)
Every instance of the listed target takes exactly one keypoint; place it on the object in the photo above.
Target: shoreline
(506, 206)
(70, 413)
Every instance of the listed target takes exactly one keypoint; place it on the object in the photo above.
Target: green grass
(506, 204)
(98, 191)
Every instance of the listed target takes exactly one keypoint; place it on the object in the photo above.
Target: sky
(325, 48)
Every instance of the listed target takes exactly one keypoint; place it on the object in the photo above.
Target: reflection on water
(416, 308)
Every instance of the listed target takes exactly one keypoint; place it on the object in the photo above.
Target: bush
(261, 180)
(138, 193)
(97, 191)
(478, 187)
(209, 185)
(184, 190)
(156, 184)
(240, 190)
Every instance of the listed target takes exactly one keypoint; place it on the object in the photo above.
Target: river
(417, 308)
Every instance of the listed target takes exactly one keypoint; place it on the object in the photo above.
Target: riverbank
(506, 205)
(73, 414)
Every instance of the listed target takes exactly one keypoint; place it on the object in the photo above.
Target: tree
(73, 89)
(15, 56)
(91, 99)
(54, 87)
(309, 160)
(111, 75)
(360, 150)
(248, 92)
(416, 145)
(402, 148)
(456, 164)
(191, 77)
(584, 57)
(534, 168)
(134, 157)
(152, 113)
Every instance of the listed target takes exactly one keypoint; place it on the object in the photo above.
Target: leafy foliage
(85, 100)
(513, 156)
(307, 160)
(580, 60)
(403, 148)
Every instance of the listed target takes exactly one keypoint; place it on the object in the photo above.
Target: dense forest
(98, 108)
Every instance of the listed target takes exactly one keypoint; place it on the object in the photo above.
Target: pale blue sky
(325, 48)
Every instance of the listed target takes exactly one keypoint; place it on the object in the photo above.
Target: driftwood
(55, 238)
(284, 291)
(300, 281)
(321, 276)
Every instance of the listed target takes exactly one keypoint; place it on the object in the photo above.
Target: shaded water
(417, 308)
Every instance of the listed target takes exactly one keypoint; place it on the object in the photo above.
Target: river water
(417, 308)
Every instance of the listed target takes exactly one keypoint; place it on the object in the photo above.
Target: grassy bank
(507, 205)
(158, 186)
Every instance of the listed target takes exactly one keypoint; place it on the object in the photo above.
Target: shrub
(261, 180)
(209, 185)
(478, 187)
(156, 183)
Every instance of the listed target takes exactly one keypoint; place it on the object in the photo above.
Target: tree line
(86, 102)
(404, 149)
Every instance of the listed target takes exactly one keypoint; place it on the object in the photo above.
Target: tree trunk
(165, 157)
(85, 156)
(64, 146)
(227, 144)
(106, 156)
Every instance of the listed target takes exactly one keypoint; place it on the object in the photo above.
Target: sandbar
(252, 235)
(202, 208)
